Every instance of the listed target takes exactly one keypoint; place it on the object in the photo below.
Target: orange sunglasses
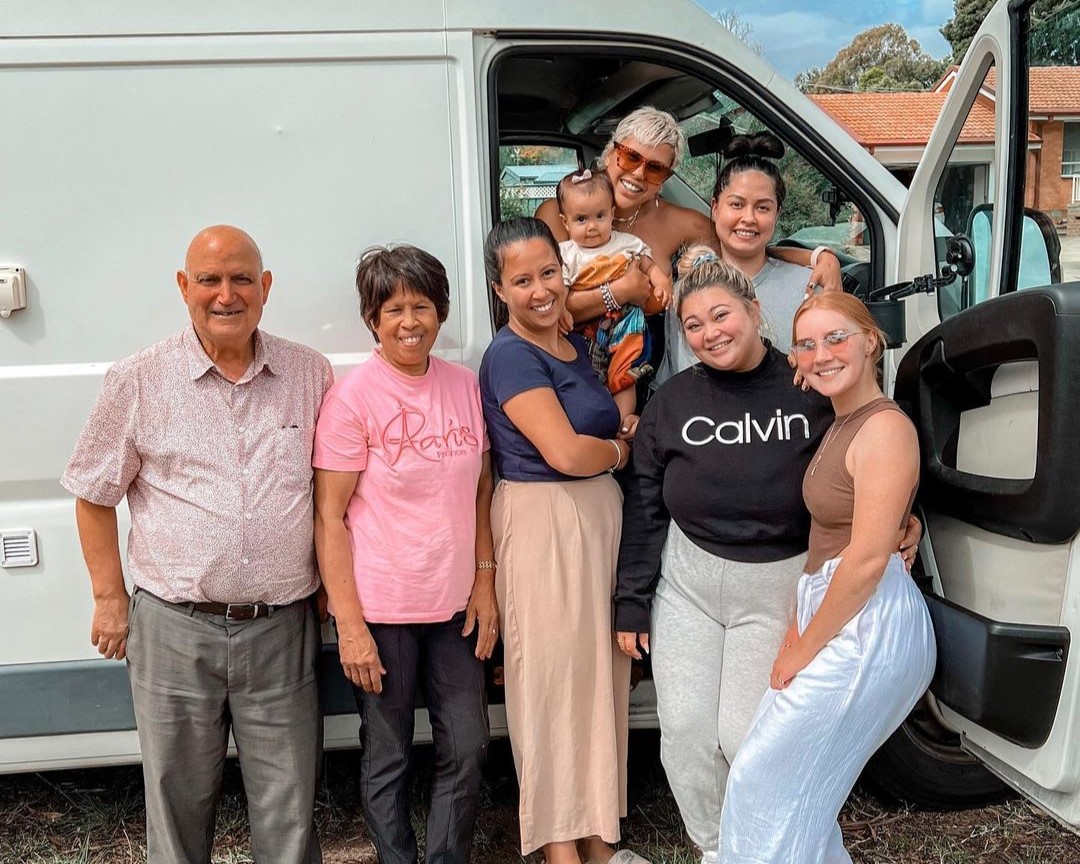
(630, 160)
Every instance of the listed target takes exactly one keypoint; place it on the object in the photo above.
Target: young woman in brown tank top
(861, 650)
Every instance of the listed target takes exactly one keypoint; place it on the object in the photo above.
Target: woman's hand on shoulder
(826, 274)
(628, 643)
(482, 613)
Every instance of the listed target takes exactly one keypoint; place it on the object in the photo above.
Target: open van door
(991, 379)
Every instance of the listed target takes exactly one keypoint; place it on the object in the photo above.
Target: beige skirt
(567, 682)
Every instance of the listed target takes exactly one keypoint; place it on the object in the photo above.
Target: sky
(799, 35)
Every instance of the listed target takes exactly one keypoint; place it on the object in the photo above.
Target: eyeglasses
(630, 160)
(832, 340)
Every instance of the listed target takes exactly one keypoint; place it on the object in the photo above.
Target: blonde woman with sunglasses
(642, 154)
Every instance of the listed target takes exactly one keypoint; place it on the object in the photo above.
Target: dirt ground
(96, 817)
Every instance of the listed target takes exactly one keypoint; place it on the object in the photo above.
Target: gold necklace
(628, 221)
(832, 435)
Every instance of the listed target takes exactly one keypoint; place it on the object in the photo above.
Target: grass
(96, 817)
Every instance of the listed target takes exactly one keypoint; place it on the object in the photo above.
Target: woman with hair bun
(860, 651)
(746, 203)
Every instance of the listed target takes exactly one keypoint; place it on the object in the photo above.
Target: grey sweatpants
(717, 626)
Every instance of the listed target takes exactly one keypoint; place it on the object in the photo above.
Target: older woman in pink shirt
(403, 492)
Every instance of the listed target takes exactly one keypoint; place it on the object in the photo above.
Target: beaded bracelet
(610, 303)
(485, 565)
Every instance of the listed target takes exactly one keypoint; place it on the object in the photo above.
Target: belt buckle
(250, 611)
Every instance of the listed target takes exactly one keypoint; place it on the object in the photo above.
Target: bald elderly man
(208, 433)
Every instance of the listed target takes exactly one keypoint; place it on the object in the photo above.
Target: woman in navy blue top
(556, 518)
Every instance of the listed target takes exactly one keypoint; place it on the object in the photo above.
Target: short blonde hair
(651, 127)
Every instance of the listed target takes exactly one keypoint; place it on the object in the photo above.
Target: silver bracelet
(618, 456)
(610, 303)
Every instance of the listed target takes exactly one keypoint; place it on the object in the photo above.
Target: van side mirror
(1040, 259)
(835, 199)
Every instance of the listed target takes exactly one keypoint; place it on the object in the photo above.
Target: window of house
(1070, 151)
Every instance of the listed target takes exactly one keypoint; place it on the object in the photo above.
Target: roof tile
(1053, 89)
(901, 118)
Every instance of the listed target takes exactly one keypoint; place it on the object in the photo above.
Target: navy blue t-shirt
(511, 366)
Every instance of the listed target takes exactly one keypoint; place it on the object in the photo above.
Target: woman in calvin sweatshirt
(715, 504)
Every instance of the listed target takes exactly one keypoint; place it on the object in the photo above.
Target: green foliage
(1055, 34)
(958, 31)
(881, 58)
(803, 206)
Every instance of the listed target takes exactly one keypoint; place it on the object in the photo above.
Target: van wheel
(922, 764)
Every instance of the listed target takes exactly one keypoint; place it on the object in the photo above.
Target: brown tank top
(829, 488)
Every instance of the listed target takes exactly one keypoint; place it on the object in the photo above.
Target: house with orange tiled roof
(895, 127)
(1054, 116)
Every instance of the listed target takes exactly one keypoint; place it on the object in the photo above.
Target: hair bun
(762, 145)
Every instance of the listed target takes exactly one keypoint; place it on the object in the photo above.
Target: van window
(963, 201)
(528, 174)
(808, 219)
(1052, 194)
(577, 98)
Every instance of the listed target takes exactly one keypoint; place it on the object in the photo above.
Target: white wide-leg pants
(809, 742)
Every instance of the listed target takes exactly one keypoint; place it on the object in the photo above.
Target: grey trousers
(717, 626)
(193, 678)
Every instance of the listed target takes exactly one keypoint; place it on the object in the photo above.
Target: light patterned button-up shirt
(217, 475)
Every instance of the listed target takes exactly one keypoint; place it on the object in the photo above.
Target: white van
(323, 128)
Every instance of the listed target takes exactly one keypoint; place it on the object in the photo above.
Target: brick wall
(1054, 192)
(1072, 221)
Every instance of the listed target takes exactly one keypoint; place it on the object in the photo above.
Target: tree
(1055, 33)
(881, 58)
(1054, 38)
(731, 19)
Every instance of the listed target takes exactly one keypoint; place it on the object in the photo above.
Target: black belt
(236, 611)
(230, 611)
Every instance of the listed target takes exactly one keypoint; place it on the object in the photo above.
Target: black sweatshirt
(723, 454)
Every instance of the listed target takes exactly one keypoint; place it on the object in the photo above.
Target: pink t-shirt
(418, 443)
